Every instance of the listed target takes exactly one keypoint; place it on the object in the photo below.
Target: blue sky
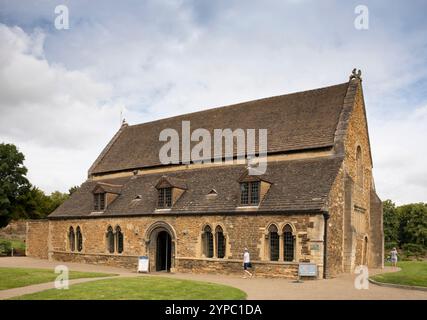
(61, 91)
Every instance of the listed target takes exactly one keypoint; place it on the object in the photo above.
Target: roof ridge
(346, 111)
(238, 104)
(107, 148)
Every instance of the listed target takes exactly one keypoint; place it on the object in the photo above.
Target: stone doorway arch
(160, 246)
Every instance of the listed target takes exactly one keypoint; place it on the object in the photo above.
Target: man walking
(246, 264)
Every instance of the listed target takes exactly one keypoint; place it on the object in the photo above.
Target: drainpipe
(325, 244)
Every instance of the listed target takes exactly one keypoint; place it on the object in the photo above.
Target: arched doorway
(163, 251)
(160, 246)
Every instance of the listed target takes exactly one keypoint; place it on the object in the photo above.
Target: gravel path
(339, 288)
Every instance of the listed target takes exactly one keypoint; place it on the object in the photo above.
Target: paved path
(339, 288)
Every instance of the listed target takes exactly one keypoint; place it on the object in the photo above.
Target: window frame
(110, 240)
(119, 239)
(208, 242)
(248, 193)
(100, 201)
(72, 239)
(164, 198)
(288, 243)
(79, 239)
(273, 243)
(221, 248)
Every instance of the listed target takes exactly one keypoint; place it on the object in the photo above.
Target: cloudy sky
(62, 91)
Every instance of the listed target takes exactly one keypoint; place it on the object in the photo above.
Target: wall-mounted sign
(143, 264)
(307, 270)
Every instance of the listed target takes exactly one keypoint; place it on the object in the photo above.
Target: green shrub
(415, 250)
(5, 248)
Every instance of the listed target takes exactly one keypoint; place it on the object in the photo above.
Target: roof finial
(356, 74)
(124, 123)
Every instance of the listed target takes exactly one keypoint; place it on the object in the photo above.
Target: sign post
(143, 264)
(306, 270)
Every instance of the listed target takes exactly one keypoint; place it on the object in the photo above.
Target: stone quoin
(316, 201)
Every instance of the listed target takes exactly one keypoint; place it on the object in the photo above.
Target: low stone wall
(123, 261)
(15, 230)
(220, 266)
(37, 240)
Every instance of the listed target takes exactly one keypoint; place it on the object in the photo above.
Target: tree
(413, 224)
(391, 222)
(13, 183)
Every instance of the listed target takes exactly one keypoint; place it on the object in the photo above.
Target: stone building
(315, 203)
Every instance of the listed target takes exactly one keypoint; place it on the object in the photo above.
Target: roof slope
(296, 185)
(296, 121)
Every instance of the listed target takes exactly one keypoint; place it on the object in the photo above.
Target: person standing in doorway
(393, 257)
(246, 264)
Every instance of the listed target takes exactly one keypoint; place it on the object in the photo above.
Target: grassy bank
(413, 273)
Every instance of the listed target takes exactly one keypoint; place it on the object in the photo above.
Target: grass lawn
(140, 288)
(21, 277)
(413, 273)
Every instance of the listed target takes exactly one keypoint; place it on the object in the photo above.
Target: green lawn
(140, 288)
(413, 273)
(21, 277)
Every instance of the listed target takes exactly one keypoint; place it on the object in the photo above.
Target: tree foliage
(405, 226)
(18, 198)
(13, 183)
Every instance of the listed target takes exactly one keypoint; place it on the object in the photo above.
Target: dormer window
(99, 199)
(249, 193)
(165, 197)
(169, 190)
(104, 194)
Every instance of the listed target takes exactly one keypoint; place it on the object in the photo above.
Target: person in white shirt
(246, 263)
(393, 255)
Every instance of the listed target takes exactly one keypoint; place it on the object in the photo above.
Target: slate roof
(296, 121)
(296, 185)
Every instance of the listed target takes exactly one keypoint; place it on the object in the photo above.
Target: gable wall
(358, 195)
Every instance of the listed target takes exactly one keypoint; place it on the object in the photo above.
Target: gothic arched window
(220, 242)
(110, 240)
(79, 239)
(273, 237)
(207, 242)
(289, 243)
(72, 239)
(119, 239)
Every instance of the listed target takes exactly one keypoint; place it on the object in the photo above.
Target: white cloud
(54, 115)
(400, 157)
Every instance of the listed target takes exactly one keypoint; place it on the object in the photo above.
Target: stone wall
(15, 230)
(376, 245)
(335, 233)
(245, 230)
(361, 189)
(37, 240)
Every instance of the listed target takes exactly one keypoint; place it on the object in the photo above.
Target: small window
(249, 193)
(99, 201)
(110, 240)
(79, 238)
(72, 239)
(220, 242)
(119, 239)
(273, 242)
(165, 198)
(289, 243)
(207, 242)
